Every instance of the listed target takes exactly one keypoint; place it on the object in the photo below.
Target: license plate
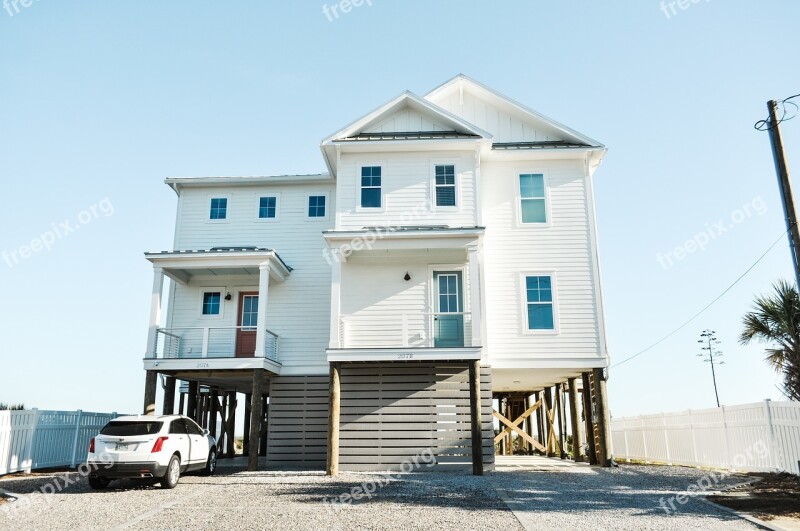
(122, 446)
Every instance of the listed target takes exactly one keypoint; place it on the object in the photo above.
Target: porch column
(256, 416)
(603, 417)
(475, 417)
(577, 454)
(150, 382)
(169, 397)
(475, 295)
(155, 312)
(336, 300)
(333, 420)
(261, 324)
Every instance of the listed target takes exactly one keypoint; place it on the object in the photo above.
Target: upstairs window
(267, 207)
(371, 187)
(445, 185)
(219, 208)
(539, 302)
(211, 302)
(316, 206)
(531, 192)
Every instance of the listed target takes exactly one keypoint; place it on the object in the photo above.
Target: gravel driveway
(543, 495)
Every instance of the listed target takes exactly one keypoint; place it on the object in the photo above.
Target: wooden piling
(333, 420)
(475, 417)
(577, 453)
(256, 415)
(588, 413)
(150, 382)
(603, 417)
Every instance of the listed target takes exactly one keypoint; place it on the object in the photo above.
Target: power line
(698, 314)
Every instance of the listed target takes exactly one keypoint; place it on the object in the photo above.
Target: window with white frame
(371, 187)
(539, 302)
(533, 207)
(445, 175)
(219, 208)
(316, 206)
(212, 301)
(267, 207)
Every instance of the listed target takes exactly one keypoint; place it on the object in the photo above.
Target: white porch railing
(408, 330)
(764, 436)
(207, 342)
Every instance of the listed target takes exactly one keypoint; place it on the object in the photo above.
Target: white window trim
(457, 174)
(518, 198)
(383, 167)
(211, 289)
(237, 297)
(523, 294)
(228, 209)
(277, 197)
(328, 206)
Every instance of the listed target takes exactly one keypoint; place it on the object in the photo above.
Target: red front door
(247, 321)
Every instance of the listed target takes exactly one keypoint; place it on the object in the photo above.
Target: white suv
(143, 447)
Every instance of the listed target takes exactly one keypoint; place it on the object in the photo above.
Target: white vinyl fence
(760, 437)
(34, 439)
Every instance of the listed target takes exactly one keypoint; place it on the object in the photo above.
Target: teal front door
(448, 321)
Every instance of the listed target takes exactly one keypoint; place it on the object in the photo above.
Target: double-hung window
(219, 208)
(533, 207)
(445, 175)
(267, 207)
(539, 302)
(371, 187)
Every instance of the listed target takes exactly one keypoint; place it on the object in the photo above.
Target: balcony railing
(410, 330)
(209, 342)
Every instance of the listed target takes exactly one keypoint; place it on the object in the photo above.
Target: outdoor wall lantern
(228, 296)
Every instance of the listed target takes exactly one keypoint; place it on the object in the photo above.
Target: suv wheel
(98, 483)
(211, 464)
(170, 479)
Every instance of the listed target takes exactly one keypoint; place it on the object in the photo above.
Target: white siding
(504, 126)
(563, 247)
(298, 310)
(407, 188)
(407, 120)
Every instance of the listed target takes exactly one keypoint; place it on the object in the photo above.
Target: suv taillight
(91, 446)
(159, 444)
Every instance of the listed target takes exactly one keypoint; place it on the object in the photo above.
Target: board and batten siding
(298, 310)
(407, 190)
(563, 248)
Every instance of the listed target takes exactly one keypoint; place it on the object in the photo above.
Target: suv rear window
(128, 428)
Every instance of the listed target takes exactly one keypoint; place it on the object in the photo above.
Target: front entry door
(448, 321)
(247, 321)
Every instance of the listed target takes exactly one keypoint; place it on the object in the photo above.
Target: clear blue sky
(106, 99)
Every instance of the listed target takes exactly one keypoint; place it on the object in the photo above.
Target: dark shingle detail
(416, 135)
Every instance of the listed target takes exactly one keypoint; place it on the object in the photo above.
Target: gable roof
(404, 118)
(551, 131)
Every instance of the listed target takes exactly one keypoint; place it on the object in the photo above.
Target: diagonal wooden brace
(516, 428)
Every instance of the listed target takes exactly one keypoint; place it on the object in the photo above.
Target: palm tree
(775, 320)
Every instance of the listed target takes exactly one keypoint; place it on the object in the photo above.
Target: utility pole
(708, 338)
(773, 124)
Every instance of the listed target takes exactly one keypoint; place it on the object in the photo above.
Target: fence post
(695, 457)
(644, 439)
(624, 423)
(28, 457)
(773, 443)
(75, 439)
(728, 462)
(666, 437)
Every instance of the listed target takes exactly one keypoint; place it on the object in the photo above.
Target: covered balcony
(406, 294)
(219, 330)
